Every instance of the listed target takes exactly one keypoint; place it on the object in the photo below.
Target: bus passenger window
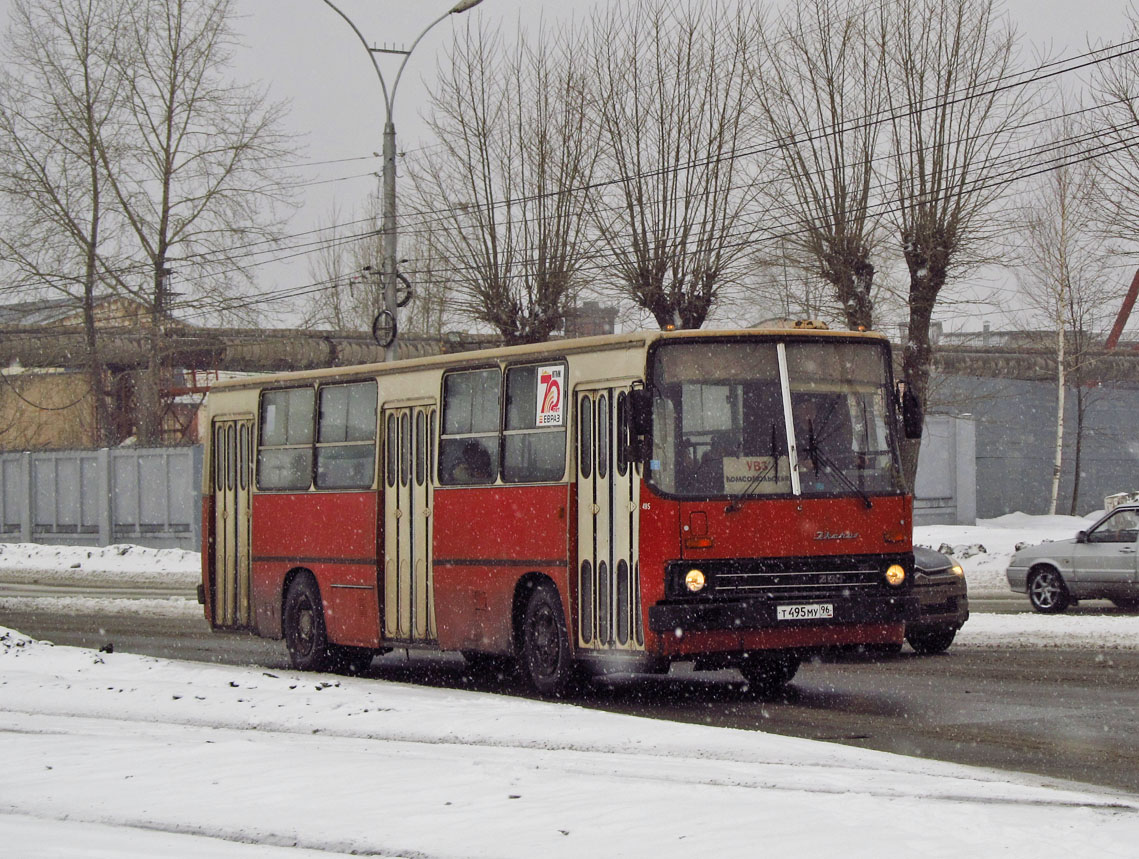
(346, 436)
(469, 445)
(534, 439)
(284, 459)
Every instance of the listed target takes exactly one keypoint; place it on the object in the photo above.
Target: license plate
(809, 611)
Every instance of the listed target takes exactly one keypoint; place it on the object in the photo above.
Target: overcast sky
(310, 57)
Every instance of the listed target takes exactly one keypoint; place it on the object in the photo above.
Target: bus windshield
(768, 418)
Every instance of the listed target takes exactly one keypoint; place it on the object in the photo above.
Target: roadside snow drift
(121, 755)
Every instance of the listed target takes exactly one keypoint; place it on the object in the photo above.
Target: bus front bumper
(761, 613)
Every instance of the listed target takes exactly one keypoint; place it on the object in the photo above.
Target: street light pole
(388, 228)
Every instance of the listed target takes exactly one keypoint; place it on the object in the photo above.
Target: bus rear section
(619, 503)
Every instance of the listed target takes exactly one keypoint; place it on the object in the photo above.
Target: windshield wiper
(818, 456)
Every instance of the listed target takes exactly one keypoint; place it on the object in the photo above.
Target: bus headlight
(694, 581)
(895, 574)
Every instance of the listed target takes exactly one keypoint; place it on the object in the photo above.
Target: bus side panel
(332, 534)
(486, 539)
(208, 555)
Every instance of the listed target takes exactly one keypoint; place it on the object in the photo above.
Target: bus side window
(346, 436)
(534, 452)
(469, 443)
(284, 460)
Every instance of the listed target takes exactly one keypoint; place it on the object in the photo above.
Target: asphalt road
(1064, 714)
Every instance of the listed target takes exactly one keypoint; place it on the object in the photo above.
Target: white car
(1099, 563)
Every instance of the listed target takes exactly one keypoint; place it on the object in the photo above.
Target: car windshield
(721, 428)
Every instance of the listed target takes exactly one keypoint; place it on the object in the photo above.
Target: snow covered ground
(128, 756)
(119, 755)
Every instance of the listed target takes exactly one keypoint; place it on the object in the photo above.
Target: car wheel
(935, 640)
(546, 660)
(768, 674)
(305, 634)
(1047, 591)
(1126, 603)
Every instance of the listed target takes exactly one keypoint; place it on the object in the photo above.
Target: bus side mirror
(640, 405)
(912, 417)
(640, 411)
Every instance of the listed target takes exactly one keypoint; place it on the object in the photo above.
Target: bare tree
(784, 284)
(950, 120)
(503, 199)
(59, 93)
(346, 269)
(821, 91)
(430, 310)
(1117, 85)
(1068, 282)
(673, 98)
(199, 180)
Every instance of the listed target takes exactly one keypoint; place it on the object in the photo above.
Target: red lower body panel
(331, 535)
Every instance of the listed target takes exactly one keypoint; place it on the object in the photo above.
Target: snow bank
(114, 754)
(124, 564)
(984, 549)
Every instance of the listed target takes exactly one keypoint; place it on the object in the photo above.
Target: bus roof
(605, 342)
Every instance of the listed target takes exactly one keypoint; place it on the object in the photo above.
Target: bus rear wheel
(767, 674)
(305, 634)
(546, 660)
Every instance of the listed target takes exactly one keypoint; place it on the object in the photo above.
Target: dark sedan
(939, 584)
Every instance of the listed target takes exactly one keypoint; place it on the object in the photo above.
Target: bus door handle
(594, 509)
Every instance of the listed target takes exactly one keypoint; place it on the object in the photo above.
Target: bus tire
(305, 634)
(546, 660)
(767, 674)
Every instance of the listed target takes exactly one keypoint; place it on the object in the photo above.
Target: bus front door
(608, 497)
(409, 605)
(232, 481)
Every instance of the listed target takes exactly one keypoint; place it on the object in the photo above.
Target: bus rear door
(233, 478)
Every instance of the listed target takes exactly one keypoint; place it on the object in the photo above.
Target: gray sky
(308, 56)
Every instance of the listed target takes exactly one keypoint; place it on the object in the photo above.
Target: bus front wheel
(546, 659)
(768, 674)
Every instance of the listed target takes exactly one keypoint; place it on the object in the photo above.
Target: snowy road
(1063, 710)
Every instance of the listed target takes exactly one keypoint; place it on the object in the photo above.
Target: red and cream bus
(729, 499)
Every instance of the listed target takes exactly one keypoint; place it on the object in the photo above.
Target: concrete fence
(146, 496)
(945, 491)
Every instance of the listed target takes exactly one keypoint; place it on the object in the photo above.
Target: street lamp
(385, 328)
